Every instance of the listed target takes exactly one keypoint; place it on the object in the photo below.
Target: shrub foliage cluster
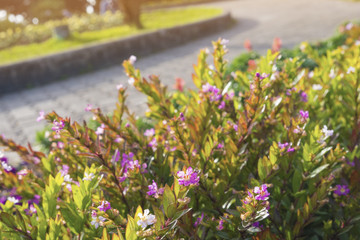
(270, 153)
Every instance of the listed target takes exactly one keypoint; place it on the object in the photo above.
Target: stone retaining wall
(39, 71)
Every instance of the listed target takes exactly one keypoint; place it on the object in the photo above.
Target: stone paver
(260, 21)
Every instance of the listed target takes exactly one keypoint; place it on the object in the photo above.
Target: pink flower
(262, 192)
(41, 116)
(220, 226)
(153, 144)
(22, 173)
(104, 206)
(179, 84)
(251, 65)
(188, 177)
(247, 45)
(149, 132)
(276, 46)
(100, 130)
(88, 108)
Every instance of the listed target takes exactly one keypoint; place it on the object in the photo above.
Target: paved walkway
(258, 20)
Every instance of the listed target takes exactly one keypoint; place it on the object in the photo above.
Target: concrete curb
(43, 70)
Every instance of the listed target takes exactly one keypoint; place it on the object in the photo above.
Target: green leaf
(130, 232)
(105, 235)
(138, 210)
(8, 220)
(176, 187)
(20, 220)
(296, 181)
(318, 170)
(181, 213)
(323, 152)
(160, 219)
(169, 202)
(72, 217)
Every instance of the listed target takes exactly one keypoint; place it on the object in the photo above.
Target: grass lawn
(151, 21)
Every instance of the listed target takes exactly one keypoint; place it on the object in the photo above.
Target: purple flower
(35, 200)
(116, 156)
(262, 192)
(153, 144)
(31, 210)
(57, 126)
(104, 206)
(126, 158)
(199, 220)
(220, 226)
(220, 145)
(342, 190)
(149, 132)
(304, 115)
(303, 96)
(154, 190)
(222, 105)
(290, 149)
(188, 177)
(283, 145)
(182, 117)
(65, 170)
(262, 76)
(41, 116)
(214, 92)
(286, 145)
(257, 225)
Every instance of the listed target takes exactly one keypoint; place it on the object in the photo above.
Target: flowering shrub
(275, 158)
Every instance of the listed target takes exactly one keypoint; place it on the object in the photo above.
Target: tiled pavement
(258, 20)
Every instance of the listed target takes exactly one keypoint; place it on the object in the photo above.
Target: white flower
(332, 74)
(131, 81)
(316, 86)
(120, 86)
(67, 178)
(13, 200)
(88, 176)
(132, 59)
(146, 219)
(351, 70)
(6, 167)
(326, 132)
(100, 130)
(357, 43)
(311, 74)
(224, 42)
(22, 173)
(97, 221)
